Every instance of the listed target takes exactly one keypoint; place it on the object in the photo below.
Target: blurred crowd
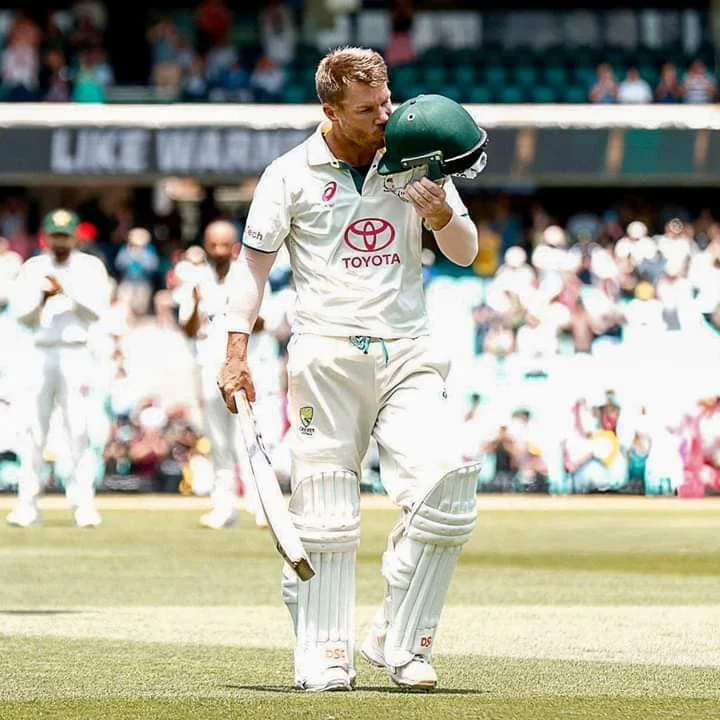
(213, 68)
(596, 355)
(695, 86)
(585, 351)
(63, 58)
(268, 53)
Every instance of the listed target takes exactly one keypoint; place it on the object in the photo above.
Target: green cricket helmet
(436, 132)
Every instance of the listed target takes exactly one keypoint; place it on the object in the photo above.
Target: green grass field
(561, 608)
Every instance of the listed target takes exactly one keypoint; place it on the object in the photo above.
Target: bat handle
(241, 401)
(244, 410)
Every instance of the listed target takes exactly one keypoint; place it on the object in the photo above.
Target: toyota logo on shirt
(369, 235)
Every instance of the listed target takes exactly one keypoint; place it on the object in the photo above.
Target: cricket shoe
(332, 679)
(218, 519)
(418, 674)
(25, 515)
(86, 516)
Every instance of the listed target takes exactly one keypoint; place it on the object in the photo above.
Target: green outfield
(561, 608)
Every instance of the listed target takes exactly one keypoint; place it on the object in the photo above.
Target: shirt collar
(319, 153)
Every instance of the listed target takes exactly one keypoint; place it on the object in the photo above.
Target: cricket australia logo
(307, 413)
(370, 237)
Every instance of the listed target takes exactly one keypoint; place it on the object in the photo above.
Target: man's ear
(329, 111)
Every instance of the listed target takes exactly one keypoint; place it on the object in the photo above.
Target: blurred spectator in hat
(136, 264)
(550, 254)
(677, 242)
(629, 251)
(515, 274)
(636, 245)
(644, 315)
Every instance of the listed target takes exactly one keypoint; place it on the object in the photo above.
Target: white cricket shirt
(356, 256)
(210, 343)
(65, 318)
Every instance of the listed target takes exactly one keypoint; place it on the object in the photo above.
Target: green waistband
(363, 342)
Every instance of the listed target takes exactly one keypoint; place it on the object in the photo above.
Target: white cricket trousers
(344, 390)
(64, 378)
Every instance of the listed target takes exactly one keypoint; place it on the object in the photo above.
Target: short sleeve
(268, 222)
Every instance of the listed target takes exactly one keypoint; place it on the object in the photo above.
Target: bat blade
(287, 540)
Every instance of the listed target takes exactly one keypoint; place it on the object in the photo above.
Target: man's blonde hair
(346, 65)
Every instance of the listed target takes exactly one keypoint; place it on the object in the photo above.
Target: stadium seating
(519, 56)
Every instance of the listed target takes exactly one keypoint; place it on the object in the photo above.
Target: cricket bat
(269, 494)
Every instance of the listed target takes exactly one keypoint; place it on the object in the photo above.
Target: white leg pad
(418, 565)
(325, 508)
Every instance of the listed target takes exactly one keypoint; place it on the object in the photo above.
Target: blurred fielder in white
(202, 297)
(59, 295)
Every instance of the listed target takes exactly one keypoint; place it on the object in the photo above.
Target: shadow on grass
(285, 690)
(41, 612)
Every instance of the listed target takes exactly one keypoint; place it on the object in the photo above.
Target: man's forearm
(457, 239)
(237, 345)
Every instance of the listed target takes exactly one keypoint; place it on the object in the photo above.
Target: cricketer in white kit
(59, 295)
(361, 365)
(202, 311)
